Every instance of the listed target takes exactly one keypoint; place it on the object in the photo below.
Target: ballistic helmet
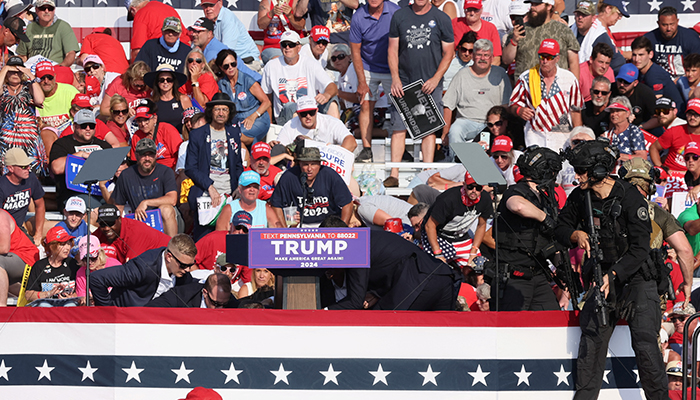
(595, 157)
(539, 164)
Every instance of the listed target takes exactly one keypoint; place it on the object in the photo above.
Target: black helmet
(596, 157)
(539, 164)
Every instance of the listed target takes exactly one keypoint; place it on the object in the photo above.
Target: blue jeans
(259, 129)
(465, 130)
(270, 53)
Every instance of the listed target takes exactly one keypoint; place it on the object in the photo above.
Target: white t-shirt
(306, 52)
(497, 12)
(287, 82)
(328, 130)
(348, 83)
(181, 156)
(109, 77)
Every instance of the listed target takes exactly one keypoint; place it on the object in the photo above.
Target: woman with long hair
(247, 94)
(201, 84)
(171, 104)
(262, 277)
(118, 115)
(130, 86)
(54, 275)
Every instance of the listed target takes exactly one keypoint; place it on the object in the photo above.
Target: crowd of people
(223, 136)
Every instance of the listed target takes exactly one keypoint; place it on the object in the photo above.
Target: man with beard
(523, 44)
(472, 93)
(672, 43)
(260, 163)
(593, 113)
(548, 98)
(677, 138)
(640, 95)
(148, 185)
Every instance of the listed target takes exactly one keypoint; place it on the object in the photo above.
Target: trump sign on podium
(309, 248)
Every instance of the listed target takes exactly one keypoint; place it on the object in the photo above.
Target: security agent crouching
(528, 211)
(622, 218)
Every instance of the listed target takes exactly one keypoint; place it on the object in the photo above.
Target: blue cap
(628, 72)
(620, 6)
(242, 218)
(248, 178)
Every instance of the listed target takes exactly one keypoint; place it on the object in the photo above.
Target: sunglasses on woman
(498, 123)
(166, 80)
(498, 156)
(92, 67)
(473, 186)
(226, 67)
(338, 57)
(197, 60)
(122, 112)
(687, 157)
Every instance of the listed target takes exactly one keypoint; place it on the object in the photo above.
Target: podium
(299, 258)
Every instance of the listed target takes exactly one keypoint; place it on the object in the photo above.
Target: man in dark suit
(145, 277)
(215, 293)
(401, 277)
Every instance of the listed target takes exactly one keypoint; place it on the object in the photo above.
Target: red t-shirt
(109, 49)
(586, 80)
(132, 97)
(469, 293)
(168, 141)
(209, 247)
(267, 183)
(675, 139)
(121, 134)
(101, 130)
(135, 237)
(23, 247)
(148, 23)
(488, 31)
(207, 84)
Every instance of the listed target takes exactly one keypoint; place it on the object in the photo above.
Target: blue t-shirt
(231, 32)
(373, 36)
(259, 214)
(154, 54)
(80, 231)
(669, 53)
(629, 141)
(661, 83)
(15, 199)
(330, 194)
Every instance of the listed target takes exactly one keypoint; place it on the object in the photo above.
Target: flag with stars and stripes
(144, 353)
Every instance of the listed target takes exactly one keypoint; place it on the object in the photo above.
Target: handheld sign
(335, 157)
(418, 111)
(153, 219)
(309, 248)
(73, 166)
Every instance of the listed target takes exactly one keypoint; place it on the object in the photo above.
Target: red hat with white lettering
(393, 225)
(692, 148)
(473, 4)
(92, 86)
(45, 68)
(320, 32)
(81, 100)
(468, 179)
(143, 112)
(694, 105)
(502, 143)
(58, 234)
(260, 149)
(549, 46)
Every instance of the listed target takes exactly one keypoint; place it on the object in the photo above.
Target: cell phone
(518, 20)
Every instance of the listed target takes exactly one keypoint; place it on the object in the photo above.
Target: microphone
(302, 178)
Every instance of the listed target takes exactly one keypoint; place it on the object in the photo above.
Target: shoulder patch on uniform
(643, 213)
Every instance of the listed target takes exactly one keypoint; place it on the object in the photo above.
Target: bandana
(170, 49)
(465, 199)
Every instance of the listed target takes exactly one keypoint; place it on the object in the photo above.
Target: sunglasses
(122, 112)
(662, 111)
(197, 60)
(580, 170)
(546, 57)
(166, 80)
(687, 157)
(46, 8)
(338, 57)
(139, 87)
(231, 267)
(678, 319)
(498, 123)
(289, 45)
(104, 224)
(576, 142)
(226, 67)
(304, 114)
(691, 114)
(503, 156)
(322, 42)
(93, 259)
(473, 186)
(218, 304)
(87, 125)
(92, 67)
(599, 92)
(623, 82)
(466, 50)
(180, 263)
(49, 77)
(24, 167)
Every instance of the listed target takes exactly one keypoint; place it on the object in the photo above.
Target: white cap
(518, 7)
(290, 36)
(76, 204)
(306, 103)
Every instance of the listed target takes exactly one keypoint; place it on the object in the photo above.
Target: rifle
(561, 272)
(602, 307)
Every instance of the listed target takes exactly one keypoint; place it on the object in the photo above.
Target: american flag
(110, 353)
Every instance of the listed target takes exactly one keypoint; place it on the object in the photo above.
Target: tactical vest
(613, 233)
(518, 233)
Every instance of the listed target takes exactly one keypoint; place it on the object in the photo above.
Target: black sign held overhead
(418, 111)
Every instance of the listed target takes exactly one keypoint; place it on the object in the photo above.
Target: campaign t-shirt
(675, 139)
(168, 141)
(420, 42)
(289, 82)
(55, 111)
(101, 130)
(109, 49)
(218, 164)
(43, 277)
(15, 198)
(135, 238)
(148, 23)
(267, 182)
(133, 188)
(669, 53)
(330, 194)
(488, 31)
(455, 221)
(68, 145)
(154, 54)
(52, 42)
(131, 96)
(661, 83)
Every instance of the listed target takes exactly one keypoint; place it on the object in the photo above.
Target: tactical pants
(644, 327)
(528, 295)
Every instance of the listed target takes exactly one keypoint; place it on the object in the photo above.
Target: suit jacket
(397, 274)
(133, 284)
(189, 296)
(199, 159)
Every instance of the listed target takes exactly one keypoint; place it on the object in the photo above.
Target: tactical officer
(622, 217)
(528, 211)
(665, 227)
